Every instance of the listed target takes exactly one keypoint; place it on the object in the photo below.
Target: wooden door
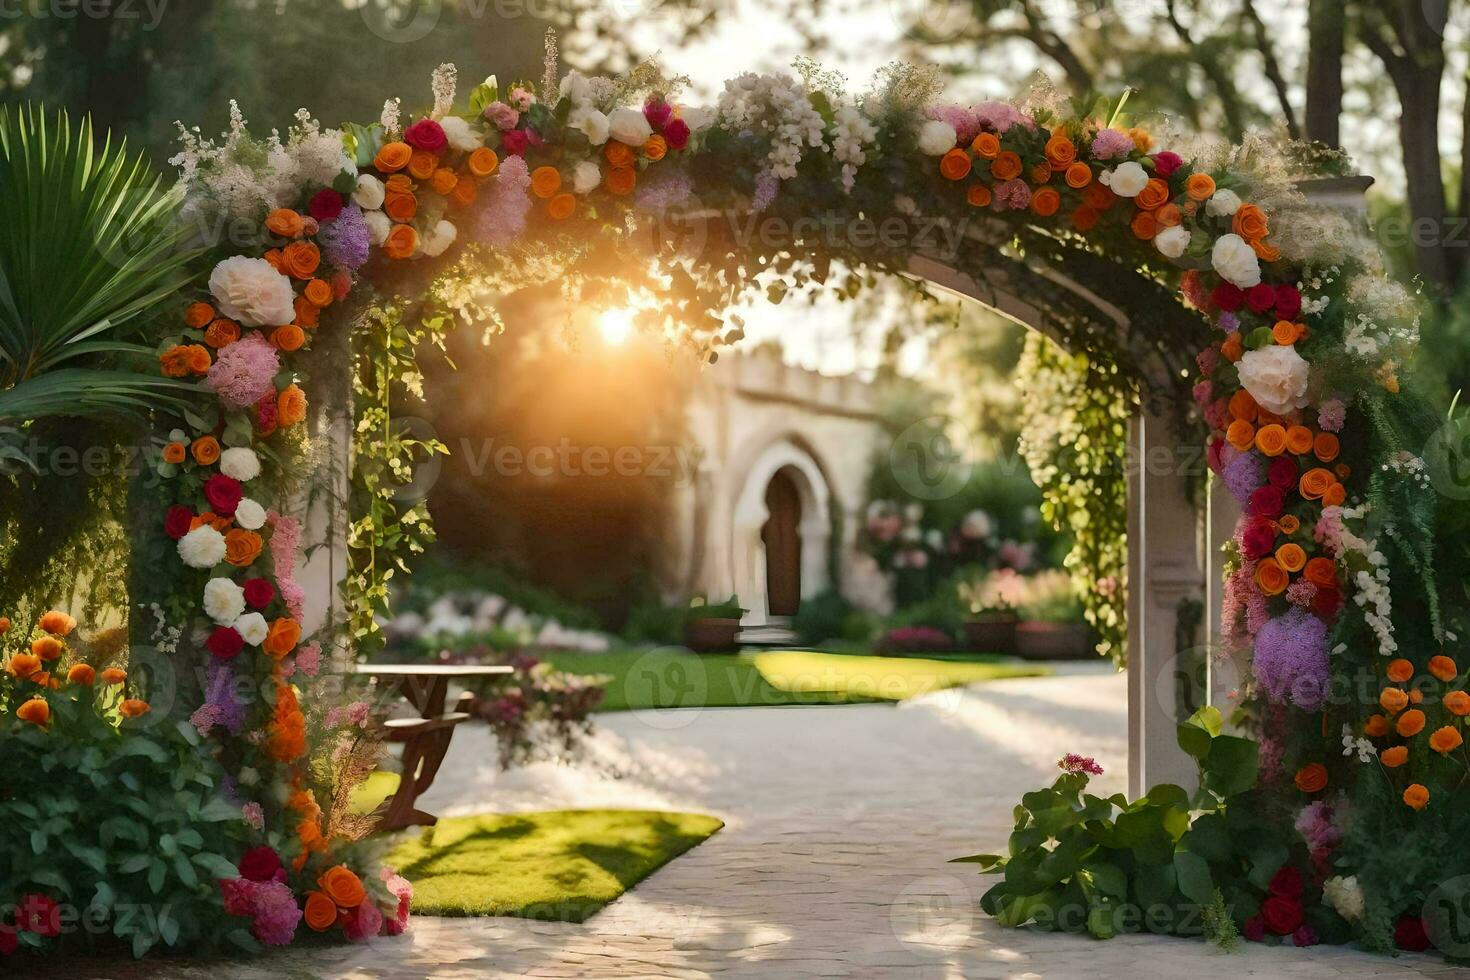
(781, 535)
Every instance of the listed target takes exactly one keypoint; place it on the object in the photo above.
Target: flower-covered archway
(330, 255)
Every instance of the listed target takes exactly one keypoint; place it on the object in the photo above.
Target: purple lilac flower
(1110, 144)
(345, 239)
(766, 186)
(1291, 659)
(220, 696)
(664, 192)
(1228, 322)
(1244, 473)
(503, 215)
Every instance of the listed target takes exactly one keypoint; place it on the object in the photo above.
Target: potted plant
(990, 626)
(1052, 625)
(713, 627)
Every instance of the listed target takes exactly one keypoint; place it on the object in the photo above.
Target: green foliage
(703, 609)
(829, 616)
(1074, 439)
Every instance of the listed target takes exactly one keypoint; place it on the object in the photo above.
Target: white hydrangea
(249, 514)
(442, 84)
(239, 463)
(224, 601)
(378, 225)
(438, 238)
(1345, 895)
(252, 628)
(585, 177)
(937, 137)
(1223, 203)
(851, 132)
(203, 547)
(629, 126)
(776, 106)
(1372, 593)
(1172, 242)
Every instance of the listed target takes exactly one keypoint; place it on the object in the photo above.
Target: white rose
(239, 463)
(1234, 259)
(249, 514)
(439, 238)
(629, 126)
(252, 293)
(224, 601)
(1345, 895)
(203, 547)
(1126, 179)
(936, 138)
(576, 87)
(1223, 203)
(370, 193)
(177, 435)
(1172, 241)
(585, 177)
(378, 225)
(252, 628)
(1276, 377)
(696, 117)
(590, 123)
(462, 135)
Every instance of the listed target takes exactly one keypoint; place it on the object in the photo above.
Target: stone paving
(832, 863)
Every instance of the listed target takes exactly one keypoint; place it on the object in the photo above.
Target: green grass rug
(561, 865)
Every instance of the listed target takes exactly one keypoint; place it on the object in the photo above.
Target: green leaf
(1107, 879)
(1168, 794)
(38, 841)
(986, 861)
(186, 872)
(1232, 765)
(157, 871)
(134, 864)
(1192, 873)
(1154, 884)
(1207, 718)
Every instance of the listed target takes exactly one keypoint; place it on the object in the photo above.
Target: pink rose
(676, 134)
(325, 204)
(1166, 162)
(658, 113)
(502, 115)
(362, 923)
(428, 135)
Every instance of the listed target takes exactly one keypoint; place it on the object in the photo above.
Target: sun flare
(616, 325)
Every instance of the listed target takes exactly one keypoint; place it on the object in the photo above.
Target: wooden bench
(425, 739)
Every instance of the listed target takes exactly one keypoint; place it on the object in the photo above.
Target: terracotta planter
(1053, 641)
(993, 632)
(712, 635)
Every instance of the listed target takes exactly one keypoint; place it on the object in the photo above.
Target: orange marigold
(1311, 778)
(83, 674)
(1445, 740)
(1376, 726)
(1394, 757)
(1457, 703)
(1416, 796)
(1392, 700)
(1410, 723)
(36, 711)
(1399, 670)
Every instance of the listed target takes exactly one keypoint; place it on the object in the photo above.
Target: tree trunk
(1324, 71)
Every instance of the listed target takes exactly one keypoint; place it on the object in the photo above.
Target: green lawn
(561, 865)
(671, 679)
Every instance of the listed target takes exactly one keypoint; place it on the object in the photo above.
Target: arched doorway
(781, 535)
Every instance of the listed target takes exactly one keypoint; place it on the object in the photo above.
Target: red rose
(266, 414)
(1166, 162)
(1409, 934)
(260, 864)
(325, 205)
(1287, 882)
(1228, 296)
(259, 592)
(223, 493)
(1282, 915)
(225, 643)
(676, 134)
(1267, 501)
(1215, 455)
(1257, 540)
(39, 914)
(658, 113)
(1326, 603)
(176, 521)
(428, 135)
(1254, 929)
(1260, 297)
(514, 141)
(1288, 302)
(1282, 472)
(341, 284)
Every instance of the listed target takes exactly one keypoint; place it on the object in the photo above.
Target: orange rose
(307, 312)
(1265, 252)
(174, 452)
(206, 450)
(986, 145)
(1232, 349)
(113, 676)
(288, 338)
(1243, 406)
(1298, 439)
(222, 333)
(1098, 197)
(47, 648)
(1040, 173)
(1457, 703)
(621, 180)
(1199, 187)
(1399, 670)
(422, 164)
(23, 666)
(1085, 218)
(1416, 796)
(393, 157)
(321, 912)
(398, 184)
(655, 147)
(978, 195)
(562, 206)
(133, 708)
(242, 547)
(1288, 524)
(198, 357)
(482, 162)
(1060, 152)
(1392, 700)
(282, 637)
(618, 154)
(1284, 332)
(57, 623)
(1394, 757)
(301, 259)
(1154, 194)
(955, 165)
(36, 711)
(318, 293)
(174, 362)
(1046, 202)
(1326, 446)
(1314, 483)
(342, 887)
(1271, 439)
(1078, 175)
(1343, 471)
(273, 256)
(1335, 495)
(401, 242)
(1410, 723)
(1241, 434)
(285, 223)
(1168, 216)
(444, 181)
(1291, 557)
(81, 674)
(1443, 667)
(197, 315)
(1006, 166)
(1376, 726)
(1311, 778)
(1250, 223)
(1321, 572)
(401, 206)
(1144, 226)
(291, 405)
(464, 193)
(545, 181)
(1271, 578)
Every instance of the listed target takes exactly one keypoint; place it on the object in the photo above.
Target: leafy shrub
(826, 616)
(942, 610)
(656, 623)
(729, 609)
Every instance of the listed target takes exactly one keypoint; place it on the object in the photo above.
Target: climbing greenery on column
(1074, 435)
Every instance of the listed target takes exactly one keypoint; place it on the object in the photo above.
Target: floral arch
(1246, 314)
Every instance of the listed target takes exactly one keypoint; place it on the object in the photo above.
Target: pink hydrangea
(362, 923)
(1013, 195)
(1316, 826)
(309, 659)
(964, 121)
(285, 537)
(1110, 144)
(503, 215)
(1328, 532)
(245, 371)
(269, 904)
(1301, 593)
(1208, 359)
(1000, 116)
(1332, 415)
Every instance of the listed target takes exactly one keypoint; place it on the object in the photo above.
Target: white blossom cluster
(1352, 745)
(778, 106)
(851, 132)
(1408, 465)
(443, 84)
(1385, 321)
(165, 637)
(1373, 593)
